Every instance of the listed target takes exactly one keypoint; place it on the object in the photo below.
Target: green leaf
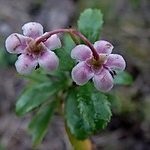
(73, 118)
(37, 76)
(35, 96)
(5, 58)
(68, 43)
(86, 113)
(39, 124)
(123, 78)
(66, 62)
(90, 23)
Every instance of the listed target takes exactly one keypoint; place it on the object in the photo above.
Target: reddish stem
(87, 42)
(44, 37)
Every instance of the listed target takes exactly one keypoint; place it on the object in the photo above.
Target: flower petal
(81, 73)
(81, 52)
(25, 64)
(103, 81)
(103, 47)
(32, 29)
(53, 42)
(48, 61)
(115, 62)
(16, 43)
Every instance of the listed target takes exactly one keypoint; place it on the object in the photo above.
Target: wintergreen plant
(63, 81)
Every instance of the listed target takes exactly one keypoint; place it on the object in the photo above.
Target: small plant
(60, 80)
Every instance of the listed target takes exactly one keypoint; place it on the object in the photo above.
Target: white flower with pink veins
(101, 70)
(33, 54)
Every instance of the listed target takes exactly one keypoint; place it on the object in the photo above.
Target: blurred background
(126, 25)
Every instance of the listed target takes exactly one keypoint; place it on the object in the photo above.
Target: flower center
(34, 48)
(97, 64)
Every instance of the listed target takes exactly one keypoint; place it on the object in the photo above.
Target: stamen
(34, 48)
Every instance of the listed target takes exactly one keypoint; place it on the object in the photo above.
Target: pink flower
(33, 54)
(101, 71)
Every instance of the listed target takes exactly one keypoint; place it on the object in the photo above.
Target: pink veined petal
(32, 29)
(81, 73)
(16, 43)
(48, 61)
(25, 64)
(116, 62)
(103, 81)
(81, 52)
(53, 42)
(103, 47)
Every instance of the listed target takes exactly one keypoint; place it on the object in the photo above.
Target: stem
(78, 144)
(74, 38)
(44, 37)
(72, 32)
(87, 42)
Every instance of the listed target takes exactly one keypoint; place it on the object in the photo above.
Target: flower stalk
(78, 144)
(44, 37)
(87, 42)
(72, 32)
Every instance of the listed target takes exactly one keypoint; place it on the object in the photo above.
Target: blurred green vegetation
(6, 59)
(1, 147)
